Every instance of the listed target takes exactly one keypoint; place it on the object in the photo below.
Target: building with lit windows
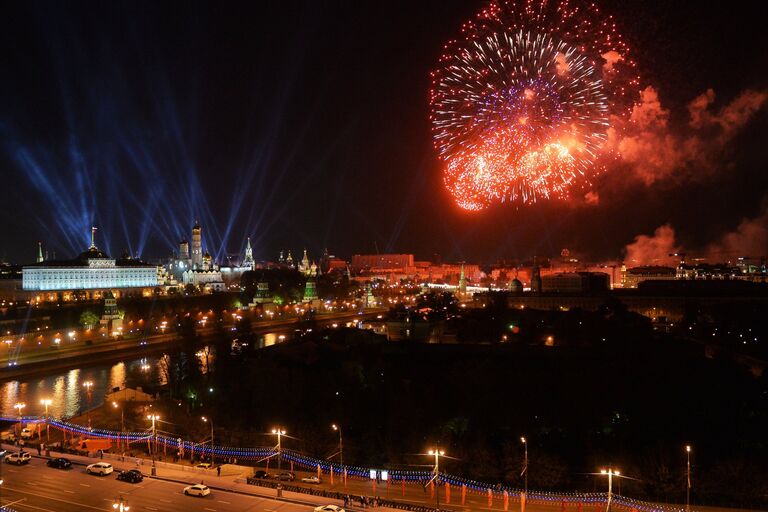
(91, 270)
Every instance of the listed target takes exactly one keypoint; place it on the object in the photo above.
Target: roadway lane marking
(85, 485)
(211, 509)
(151, 508)
(165, 501)
(53, 498)
(70, 492)
(224, 502)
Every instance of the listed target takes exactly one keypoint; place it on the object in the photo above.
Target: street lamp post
(153, 417)
(46, 402)
(121, 505)
(611, 473)
(88, 385)
(525, 463)
(436, 478)
(280, 433)
(20, 406)
(210, 420)
(122, 420)
(688, 478)
(341, 443)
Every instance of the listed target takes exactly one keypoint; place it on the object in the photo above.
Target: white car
(311, 480)
(18, 458)
(329, 508)
(197, 490)
(27, 433)
(100, 468)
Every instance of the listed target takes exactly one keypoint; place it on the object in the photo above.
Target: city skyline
(196, 114)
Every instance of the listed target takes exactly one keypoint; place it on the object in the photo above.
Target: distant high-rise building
(197, 246)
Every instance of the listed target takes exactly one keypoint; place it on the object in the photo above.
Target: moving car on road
(311, 480)
(59, 463)
(132, 476)
(329, 508)
(197, 490)
(27, 433)
(204, 465)
(100, 468)
(287, 476)
(18, 458)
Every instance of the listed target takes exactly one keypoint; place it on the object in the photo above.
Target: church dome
(515, 286)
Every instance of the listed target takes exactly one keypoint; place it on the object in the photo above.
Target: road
(38, 487)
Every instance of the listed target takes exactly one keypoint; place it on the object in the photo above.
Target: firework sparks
(521, 105)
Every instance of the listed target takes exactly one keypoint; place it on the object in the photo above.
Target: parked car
(197, 490)
(328, 508)
(18, 458)
(132, 476)
(27, 433)
(311, 480)
(261, 474)
(99, 468)
(287, 476)
(59, 463)
(8, 436)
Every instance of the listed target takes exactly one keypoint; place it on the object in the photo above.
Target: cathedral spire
(40, 252)
(93, 237)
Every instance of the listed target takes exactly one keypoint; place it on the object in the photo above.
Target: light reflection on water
(68, 395)
(66, 391)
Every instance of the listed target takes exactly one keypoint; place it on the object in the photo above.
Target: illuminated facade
(92, 270)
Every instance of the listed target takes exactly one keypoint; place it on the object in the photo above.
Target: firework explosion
(522, 104)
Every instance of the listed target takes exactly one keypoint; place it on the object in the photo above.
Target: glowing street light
(46, 402)
(688, 478)
(611, 473)
(210, 420)
(436, 478)
(88, 385)
(153, 418)
(341, 443)
(121, 505)
(279, 433)
(525, 463)
(19, 406)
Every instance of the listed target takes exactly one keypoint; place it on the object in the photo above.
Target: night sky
(306, 125)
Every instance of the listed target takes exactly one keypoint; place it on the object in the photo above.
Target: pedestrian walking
(39, 449)
(218, 470)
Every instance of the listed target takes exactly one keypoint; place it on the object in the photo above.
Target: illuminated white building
(91, 270)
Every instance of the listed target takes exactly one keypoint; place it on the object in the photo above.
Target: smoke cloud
(655, 152)
(749, 239)
(652, 250)
(611, 57)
